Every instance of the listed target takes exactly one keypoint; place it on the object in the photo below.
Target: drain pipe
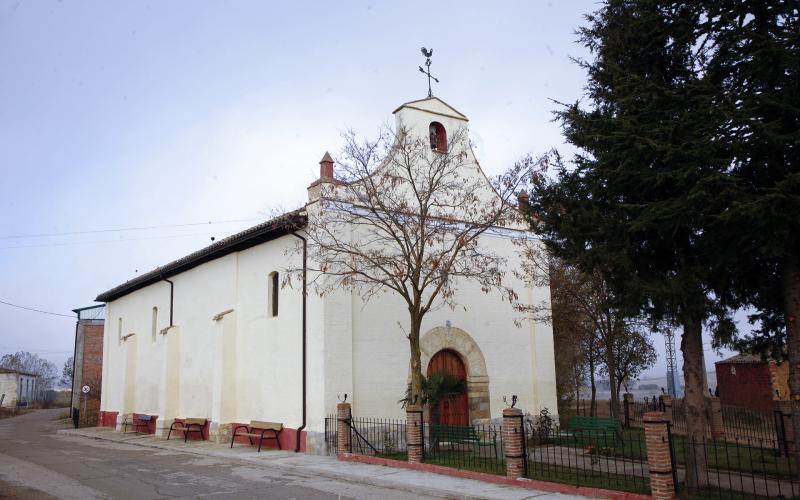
(305, 257)
(171, 297)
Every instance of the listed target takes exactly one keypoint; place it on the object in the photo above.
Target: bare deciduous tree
(584, 306)
(406, 218)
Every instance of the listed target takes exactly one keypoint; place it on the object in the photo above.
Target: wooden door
(454, 410)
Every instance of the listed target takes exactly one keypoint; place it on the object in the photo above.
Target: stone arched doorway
(453, 410)
(460, 342)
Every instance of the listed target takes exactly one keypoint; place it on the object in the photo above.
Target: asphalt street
(35, 463)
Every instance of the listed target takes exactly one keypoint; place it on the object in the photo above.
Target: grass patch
(720, 455)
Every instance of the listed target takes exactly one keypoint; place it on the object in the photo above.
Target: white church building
(214, 335)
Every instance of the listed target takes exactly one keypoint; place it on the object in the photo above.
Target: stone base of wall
(220, 433)
(162, 427)
(315, 443)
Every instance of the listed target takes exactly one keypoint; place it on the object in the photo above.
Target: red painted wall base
(107, 419)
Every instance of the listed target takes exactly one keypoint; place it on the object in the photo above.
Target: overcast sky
(137, 114)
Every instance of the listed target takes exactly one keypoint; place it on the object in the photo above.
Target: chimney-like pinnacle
(326, 167)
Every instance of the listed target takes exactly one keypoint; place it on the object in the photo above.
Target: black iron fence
(747, 468)
(614, 460)
(477, 447)
(382, 437)
(738, 424)
(331, 434)
(752, 424)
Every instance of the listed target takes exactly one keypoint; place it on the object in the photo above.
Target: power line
(132, 228)
(68, 243)
(37, 310)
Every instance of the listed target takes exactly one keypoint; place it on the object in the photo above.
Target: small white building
(214, 335)
(17, 388)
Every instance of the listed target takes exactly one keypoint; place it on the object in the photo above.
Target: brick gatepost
(343, 417)
(715, 416)
(414, 434)
(659, 460)
(783, 426)
(514, 442)
(667, 399)
(627, 404)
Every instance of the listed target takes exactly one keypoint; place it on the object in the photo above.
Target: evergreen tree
(754, 58)
(647, 180)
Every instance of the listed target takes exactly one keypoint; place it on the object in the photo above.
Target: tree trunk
(416, 361)
(694, 401)
(611, 365)
(593, 405)
(791, 300)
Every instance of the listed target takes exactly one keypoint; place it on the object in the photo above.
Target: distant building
(748, 381)
(88, 364)
(17, 388)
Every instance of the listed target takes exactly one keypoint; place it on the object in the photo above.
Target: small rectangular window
(273, 294)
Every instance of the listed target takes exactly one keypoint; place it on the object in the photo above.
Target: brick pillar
(343, 417)
(627, 406)
(414, 434)
(514, 442)
(667, 406)
(659, 460)
(715, 409)
(783, 426)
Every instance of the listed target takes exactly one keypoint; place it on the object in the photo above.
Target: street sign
(85, 389)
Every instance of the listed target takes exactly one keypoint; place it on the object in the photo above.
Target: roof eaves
(250, 237)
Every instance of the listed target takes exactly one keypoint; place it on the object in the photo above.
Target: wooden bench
(594, 424)
(258, 429)
(463, 434)
(188, 425)
(137, 422)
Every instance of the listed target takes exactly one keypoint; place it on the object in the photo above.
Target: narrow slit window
(155, 324)
(273, 294)
(119, 330)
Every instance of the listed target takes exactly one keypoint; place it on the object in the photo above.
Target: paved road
(35, 463)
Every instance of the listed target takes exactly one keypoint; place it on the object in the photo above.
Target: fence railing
(751, 424)
(737, 423)
(600, 459)
(747, 468)
(613, 459)
(370, 436)
(471, 447)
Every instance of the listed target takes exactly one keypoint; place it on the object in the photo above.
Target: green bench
(579, 424)
(463, 434)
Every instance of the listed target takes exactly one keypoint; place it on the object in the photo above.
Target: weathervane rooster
(428, 53)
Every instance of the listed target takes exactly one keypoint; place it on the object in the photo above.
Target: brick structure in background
(88, 368)
(343, 419)
(659, 461)
(414, 433)
(514, 443)
(747, 381)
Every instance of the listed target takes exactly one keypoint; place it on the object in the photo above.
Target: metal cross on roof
(428, 53)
